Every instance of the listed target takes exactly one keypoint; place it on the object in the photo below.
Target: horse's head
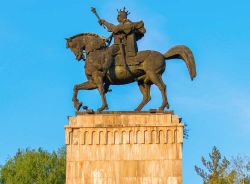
(76, 46)
(85, 41)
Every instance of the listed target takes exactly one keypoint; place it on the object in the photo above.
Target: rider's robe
(127, 33)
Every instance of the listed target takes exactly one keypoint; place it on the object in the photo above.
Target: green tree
(217, 170)
(34, 167)
(241, 165)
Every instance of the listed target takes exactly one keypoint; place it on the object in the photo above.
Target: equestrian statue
(122, 63)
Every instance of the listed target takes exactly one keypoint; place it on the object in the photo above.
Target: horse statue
(147, 68)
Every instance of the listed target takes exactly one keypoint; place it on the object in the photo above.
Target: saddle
(131, 60)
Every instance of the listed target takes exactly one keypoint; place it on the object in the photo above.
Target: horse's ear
(67, 42)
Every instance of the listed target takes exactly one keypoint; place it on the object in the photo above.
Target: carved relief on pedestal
(68, 136)
(75, 136)
(136, 135)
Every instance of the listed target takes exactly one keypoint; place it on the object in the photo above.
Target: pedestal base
(124, 148)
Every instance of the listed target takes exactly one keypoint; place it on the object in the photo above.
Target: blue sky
(37, 72)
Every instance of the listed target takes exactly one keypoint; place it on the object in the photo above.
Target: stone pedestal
(124, 148)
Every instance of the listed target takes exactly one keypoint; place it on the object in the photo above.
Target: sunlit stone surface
(124, 148)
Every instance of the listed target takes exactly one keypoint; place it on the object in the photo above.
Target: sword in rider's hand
(98, 17)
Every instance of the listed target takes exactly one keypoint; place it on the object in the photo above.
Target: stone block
(124, 148)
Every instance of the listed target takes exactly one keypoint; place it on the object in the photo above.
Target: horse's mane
(95, 41)
(86, 34)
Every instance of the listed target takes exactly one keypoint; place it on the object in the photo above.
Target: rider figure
(125, 34)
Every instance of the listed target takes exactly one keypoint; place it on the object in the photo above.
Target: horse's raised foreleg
(157, 80)
(83, 86)
(145, 90)
(98, 80)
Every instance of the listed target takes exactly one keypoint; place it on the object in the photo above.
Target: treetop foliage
(34, 167)
(218, 171)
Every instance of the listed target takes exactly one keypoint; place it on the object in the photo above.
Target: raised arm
(109, 26)
(103, 22)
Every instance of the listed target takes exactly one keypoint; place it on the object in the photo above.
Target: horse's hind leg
(145, 90)
(157, 80)
(106, 87)
(83, 86)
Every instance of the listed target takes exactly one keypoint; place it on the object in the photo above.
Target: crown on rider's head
(123, 12)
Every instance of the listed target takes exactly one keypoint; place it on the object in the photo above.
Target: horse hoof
(163, 107)
(102, 108)
(99, 110)
(160, 108)
(77, 105)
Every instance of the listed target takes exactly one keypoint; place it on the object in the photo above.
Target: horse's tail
(184, 53)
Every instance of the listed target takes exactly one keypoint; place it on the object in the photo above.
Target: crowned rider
(125, 34)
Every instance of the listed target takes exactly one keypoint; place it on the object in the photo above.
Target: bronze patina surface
(122, 63)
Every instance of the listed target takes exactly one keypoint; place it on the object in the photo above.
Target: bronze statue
(121, 63)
